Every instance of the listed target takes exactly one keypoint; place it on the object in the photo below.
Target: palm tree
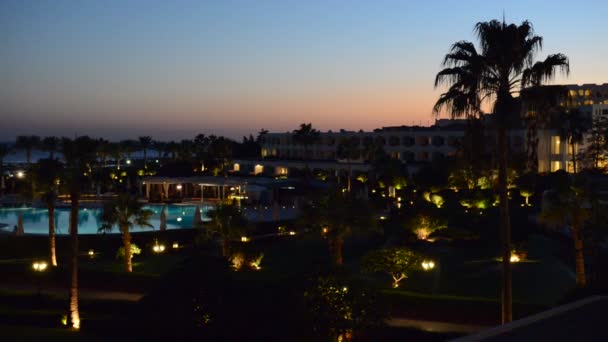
(128, 147)
(145, 143)
(504, 66)
(104, 151)
(79, 155)
(125, 212)
(27, 143)
(574, 124)
(172, 148)
(338, 216)
(4, 151)
(228, 222)
(349, 149)
(568, 203)
(51, 145)
(540, 105)
(220, 152)
(159, 147)
(306, 136)
(116, 150)
(46, 174)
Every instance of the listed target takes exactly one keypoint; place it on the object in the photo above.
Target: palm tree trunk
(350, 171)
(225, 248)
(28, 155)
(335, 246)
(52, 249)
(572, 145)
(145, 158)
(126, 240)
(581, 279)
(505, 228)
(74, 312)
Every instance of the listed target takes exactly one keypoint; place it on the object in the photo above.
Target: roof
(583, 320)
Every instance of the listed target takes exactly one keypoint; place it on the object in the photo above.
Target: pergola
(218, 184)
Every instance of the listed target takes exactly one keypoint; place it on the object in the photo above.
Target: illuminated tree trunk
(126, 240)
(581, 279)
(74, 313)
(52, 246)
(572, 145)
(505, 228)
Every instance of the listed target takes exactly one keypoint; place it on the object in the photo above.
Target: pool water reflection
(35, 220)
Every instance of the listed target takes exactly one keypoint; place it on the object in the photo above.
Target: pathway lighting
(39, 266)
(428, 265)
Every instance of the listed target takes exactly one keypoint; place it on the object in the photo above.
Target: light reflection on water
(35, 220)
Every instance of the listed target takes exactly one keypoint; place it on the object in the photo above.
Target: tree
(568, 203)
(47, 177)
(228, 222)
(505, 66)
(4, 151)
(423, 225)
(540, 105)
(306, 136)
(219, 154)
(595, 153)
(349, 149)
(160, 147)
(397, 262)
(79, 155)
(125, 211)
(27, 143)
(339, 310)
(50, 145)
(145, 143)
(338, 216)
(574, 124)
(128, 147)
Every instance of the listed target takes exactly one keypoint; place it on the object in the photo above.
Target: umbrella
(197, 222)
(163, 220)
(20, 225)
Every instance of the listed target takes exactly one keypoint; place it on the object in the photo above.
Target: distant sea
(18, 156)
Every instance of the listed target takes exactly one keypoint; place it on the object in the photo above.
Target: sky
(173, 69)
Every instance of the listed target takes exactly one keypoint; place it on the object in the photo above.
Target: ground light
(244, 239)
(175, 245)
(514, 258)
(428, 265)
(91, 253)
(39, 266)
(20, 174)
(158, 248)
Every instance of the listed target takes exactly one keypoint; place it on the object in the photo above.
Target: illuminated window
(555, 145)
(556, 166)
(280, 170)
(236, 168)
(258, 169)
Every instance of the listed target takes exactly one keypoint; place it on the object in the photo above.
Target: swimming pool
(35, 220)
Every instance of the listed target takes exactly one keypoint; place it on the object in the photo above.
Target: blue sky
(172, 69)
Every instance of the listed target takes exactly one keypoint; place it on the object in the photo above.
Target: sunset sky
(172, 69)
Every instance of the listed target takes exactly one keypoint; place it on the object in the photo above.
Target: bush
(135, 250)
